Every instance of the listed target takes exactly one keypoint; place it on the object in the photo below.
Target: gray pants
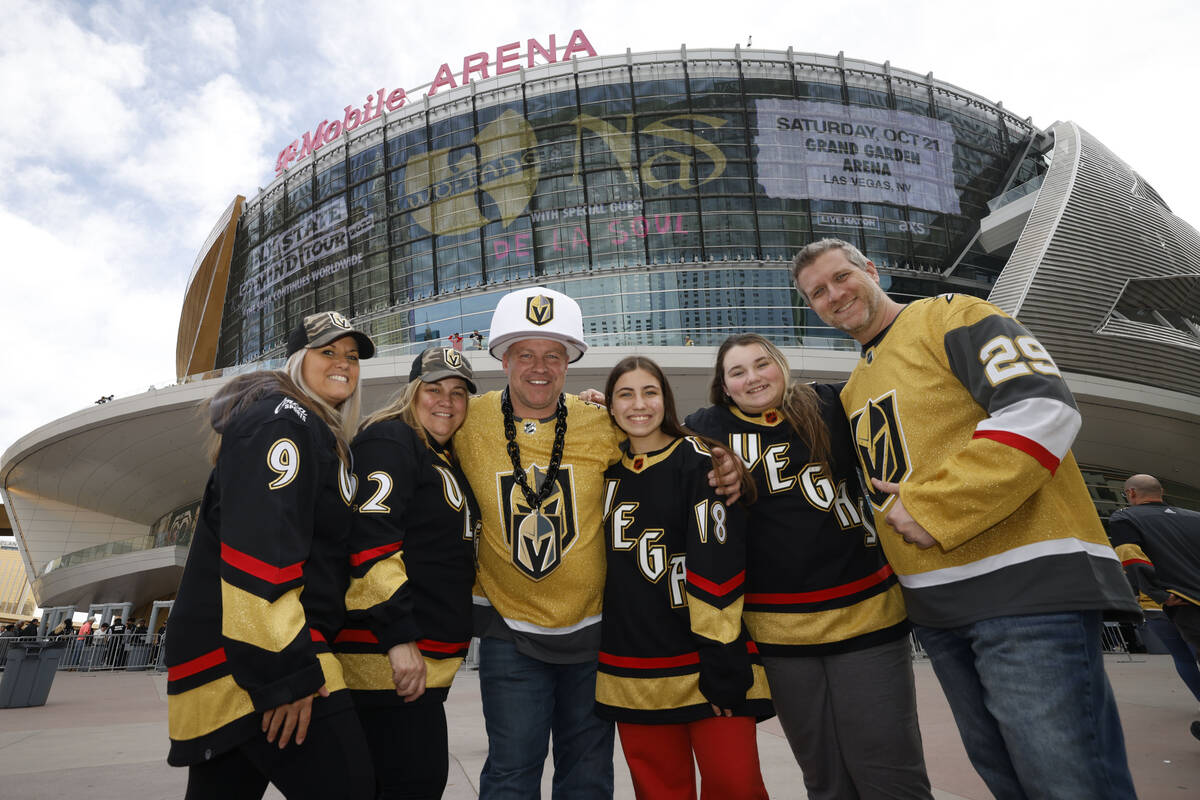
(851, 721)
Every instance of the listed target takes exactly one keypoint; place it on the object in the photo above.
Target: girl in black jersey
(821, 602)
(412, 564)
(254, 693)
(677, 672)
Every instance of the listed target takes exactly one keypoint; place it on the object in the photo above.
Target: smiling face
(537, 370)
(637, 408)
(844, 296)
(441, 407)
(753, 380)
(331, 371)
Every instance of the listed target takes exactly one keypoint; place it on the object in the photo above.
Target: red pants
(726, 750)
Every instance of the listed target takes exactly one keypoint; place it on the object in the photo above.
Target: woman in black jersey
(821, 602)
(677, 672)
(412, 564)
(254, 693)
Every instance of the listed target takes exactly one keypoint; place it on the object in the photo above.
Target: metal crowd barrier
(109, 653)
(138, 651)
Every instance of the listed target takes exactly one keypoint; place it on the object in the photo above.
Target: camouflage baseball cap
(442, 362)
(318, 330)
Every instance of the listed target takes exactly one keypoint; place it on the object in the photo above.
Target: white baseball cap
(537, 313)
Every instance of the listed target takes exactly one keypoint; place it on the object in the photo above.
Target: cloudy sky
(129, 126)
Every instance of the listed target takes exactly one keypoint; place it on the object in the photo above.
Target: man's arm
(1015, 450)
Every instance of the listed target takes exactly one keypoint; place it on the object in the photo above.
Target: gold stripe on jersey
(825, 627)
(640, 462)
(332, 670)
(380, 583)
(248, 618)
(439, 672)
(675, 691)
(366, 671)
(206, 708)
(718, 624)
(373, 671)
(768, 419)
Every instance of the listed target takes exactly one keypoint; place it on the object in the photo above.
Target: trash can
(29, 673)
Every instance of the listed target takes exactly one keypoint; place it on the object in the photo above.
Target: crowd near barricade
(144, 651)
(109, 653)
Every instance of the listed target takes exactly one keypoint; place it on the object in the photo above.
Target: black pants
(409, 747)
(332, 762)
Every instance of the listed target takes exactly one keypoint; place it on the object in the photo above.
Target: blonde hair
(400, 406)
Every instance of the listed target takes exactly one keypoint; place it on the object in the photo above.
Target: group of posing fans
(681, 580)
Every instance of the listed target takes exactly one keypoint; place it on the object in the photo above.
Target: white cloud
(215, 31)
(63, 93)
(211, 144)
(91, 329)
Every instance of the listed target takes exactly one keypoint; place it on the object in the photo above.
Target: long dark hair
(800, 405)
(670, 423)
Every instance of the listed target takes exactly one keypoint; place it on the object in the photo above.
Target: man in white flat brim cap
(536, 458)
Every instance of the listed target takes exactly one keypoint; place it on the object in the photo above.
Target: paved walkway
(103, 737)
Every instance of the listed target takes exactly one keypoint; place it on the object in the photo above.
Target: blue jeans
(1181, 652)
(1033, 705)
(524, 700)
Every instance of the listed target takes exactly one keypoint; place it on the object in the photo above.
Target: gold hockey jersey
(965, 409)
(542, 573)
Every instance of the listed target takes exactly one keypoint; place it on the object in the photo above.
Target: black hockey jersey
(672, 638)
(1167, 542)
(816, 578)
(262, 591)
(412, 562)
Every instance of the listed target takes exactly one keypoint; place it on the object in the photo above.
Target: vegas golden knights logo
(453, 357)
(538, 540)
(879, 440)
(539, 309)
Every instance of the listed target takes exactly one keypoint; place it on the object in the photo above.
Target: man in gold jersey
(963, 424)
(535, 459)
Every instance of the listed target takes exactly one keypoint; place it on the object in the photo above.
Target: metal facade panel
(1094, 227)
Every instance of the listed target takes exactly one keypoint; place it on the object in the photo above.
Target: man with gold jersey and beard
(963, 424)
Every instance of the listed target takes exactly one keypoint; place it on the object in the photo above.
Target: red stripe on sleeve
(198, 664)
(260, 569)
(1026, 445)
(374, 552)
(316, 635)
(832, 593)
(1136, 561)
(356, 635)
(636, 662)
(434, 646)
(717, 589)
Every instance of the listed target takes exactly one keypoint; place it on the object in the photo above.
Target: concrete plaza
(103, 736)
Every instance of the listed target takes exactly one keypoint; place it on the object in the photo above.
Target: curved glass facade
(665, 191)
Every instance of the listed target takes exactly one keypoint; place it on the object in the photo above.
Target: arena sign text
(508, 58)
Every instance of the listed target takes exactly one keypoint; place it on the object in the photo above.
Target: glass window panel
(366, 163)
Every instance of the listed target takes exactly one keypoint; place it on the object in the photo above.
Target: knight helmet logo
(538, 539)
(879, 440)
(453, 357)
(539, 309)
(338, 321)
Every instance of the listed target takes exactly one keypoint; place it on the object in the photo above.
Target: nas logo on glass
(538, 540)
(539, 309)
(879, 440)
